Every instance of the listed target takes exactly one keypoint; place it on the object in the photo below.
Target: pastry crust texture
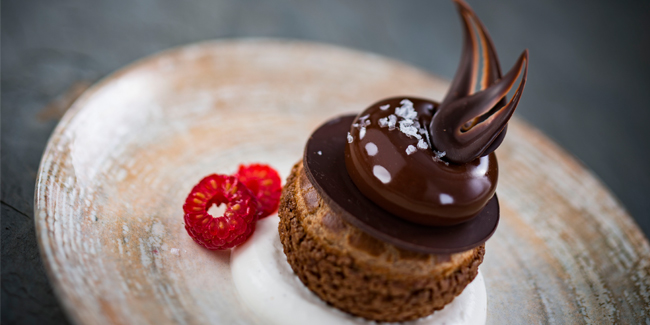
(359, 274)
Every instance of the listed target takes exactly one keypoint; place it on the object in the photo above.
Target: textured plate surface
(118, 166)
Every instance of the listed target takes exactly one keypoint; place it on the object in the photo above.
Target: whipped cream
(269, 288)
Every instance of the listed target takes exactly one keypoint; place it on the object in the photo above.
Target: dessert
(387, 214)
(358, 273)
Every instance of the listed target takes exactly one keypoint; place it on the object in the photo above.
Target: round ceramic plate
(117, 168)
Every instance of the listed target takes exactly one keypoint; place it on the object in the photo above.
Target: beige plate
(119, 165)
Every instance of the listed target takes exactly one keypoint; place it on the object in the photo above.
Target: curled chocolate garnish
(444, 174)
(469, 124)
(413, 165)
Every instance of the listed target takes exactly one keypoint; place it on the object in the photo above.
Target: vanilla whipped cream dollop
(269, 288)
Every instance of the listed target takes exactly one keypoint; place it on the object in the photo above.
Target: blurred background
(588, 86)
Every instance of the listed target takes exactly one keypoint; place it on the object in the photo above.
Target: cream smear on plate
(268, 287)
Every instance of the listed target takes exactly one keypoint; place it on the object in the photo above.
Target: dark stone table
(588, 85)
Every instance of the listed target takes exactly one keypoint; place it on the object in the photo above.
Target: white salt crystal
(406, 102)
(422, 145)
(392, 121)
(411, 114)
(320, 153)
(383, 122)
(426, 134)
(384, 107)
(400, 111)
(437, 157)
(350, 138)
(410, 149)
(406, 128)
(406, 110)
(362, 133)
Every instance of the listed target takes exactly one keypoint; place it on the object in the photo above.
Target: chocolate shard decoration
(470, 124)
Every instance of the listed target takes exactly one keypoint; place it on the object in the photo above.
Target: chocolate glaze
(467, 127)
(324, 164)
(417, 186)
(402, 174)
(471, 124)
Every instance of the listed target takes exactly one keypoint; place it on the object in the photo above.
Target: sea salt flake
(437, 157)
(365, 117)
(362, 133)
(406, 102)
(350, 138)
(410, 131)
(384, 107)
(410, 150)
(422, 145)
(411, 114)
(400, 111)
(426, 134)
(383, 122)
(406, 111)
(392, 121)
(320, 153)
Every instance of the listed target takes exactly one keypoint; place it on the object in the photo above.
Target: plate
(116, 170)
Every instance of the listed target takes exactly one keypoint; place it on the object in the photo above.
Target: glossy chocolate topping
(324, 165)
(392, 162)
(472, 118)
(419, 174)
(432, 163)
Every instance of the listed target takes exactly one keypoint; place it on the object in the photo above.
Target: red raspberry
(229, 230)
(265, 184)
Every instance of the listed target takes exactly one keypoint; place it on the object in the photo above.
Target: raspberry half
(229, 230)
(265, 184)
